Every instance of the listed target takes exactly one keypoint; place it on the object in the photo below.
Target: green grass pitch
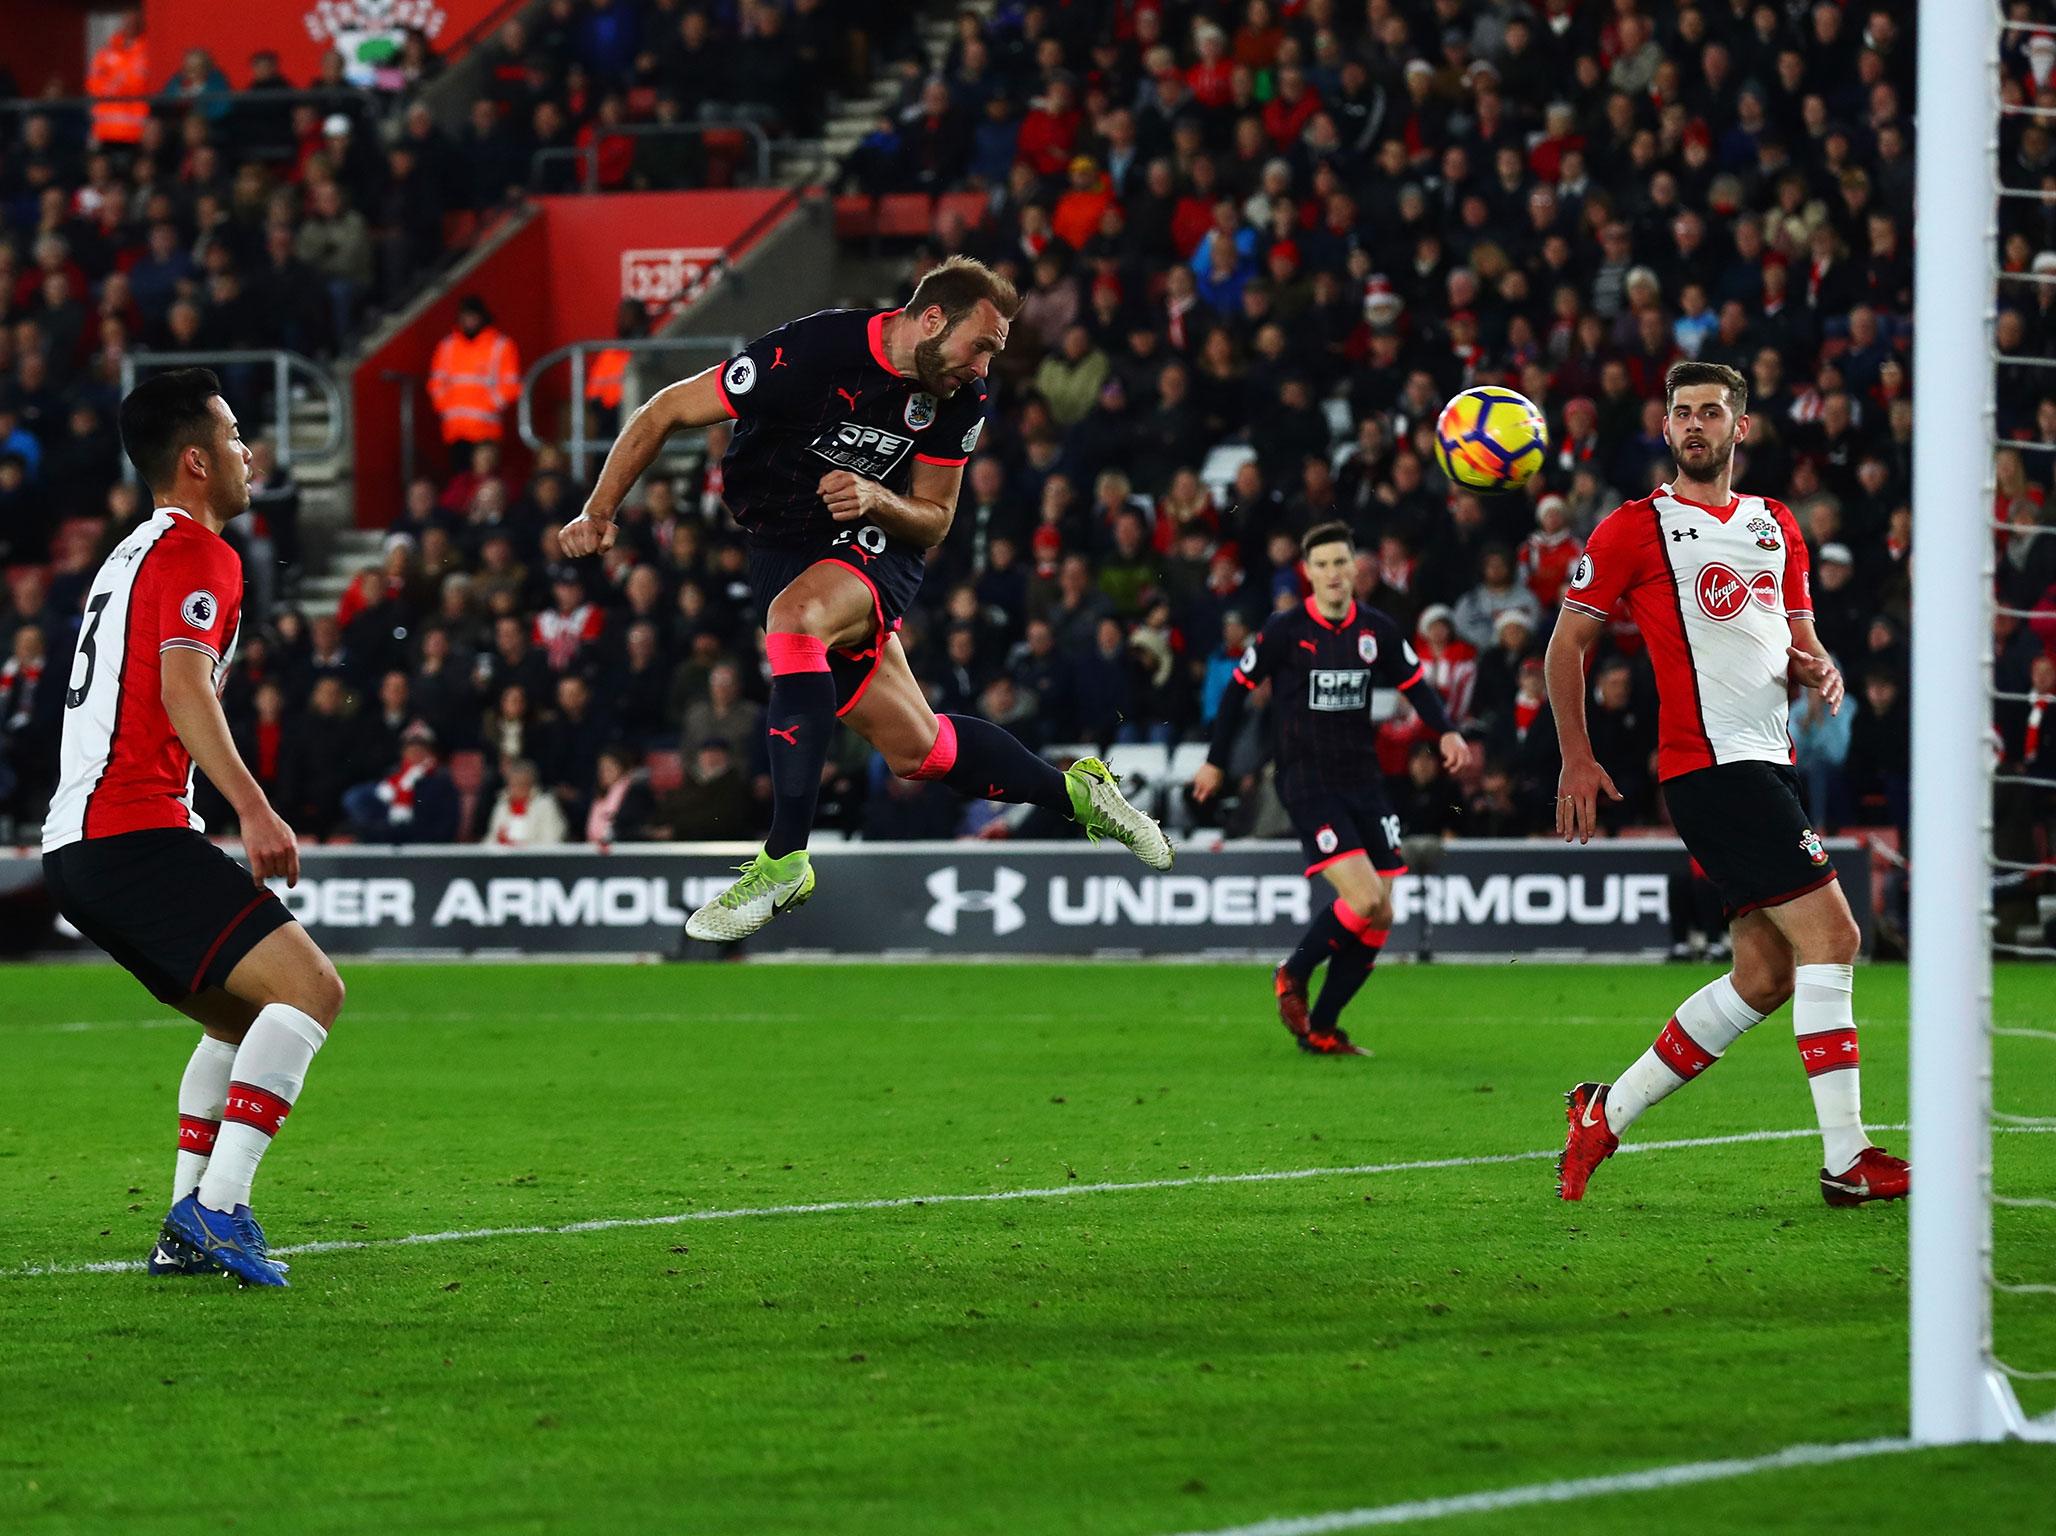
(1166, 1359)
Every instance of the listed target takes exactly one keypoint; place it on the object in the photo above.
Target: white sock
(201, 1094)
(270, 1069)
(1824, 1019)
(1699, 1033)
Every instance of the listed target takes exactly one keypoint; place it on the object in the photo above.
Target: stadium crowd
(1259, 243)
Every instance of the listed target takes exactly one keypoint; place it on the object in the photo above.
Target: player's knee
(905, 764)
(795, 613)
(322, 999)
(1838, 944)
(1764, 986)
(1372, 911)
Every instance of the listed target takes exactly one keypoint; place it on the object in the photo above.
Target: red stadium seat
(970, 206)
(856, 216)
(905, 215)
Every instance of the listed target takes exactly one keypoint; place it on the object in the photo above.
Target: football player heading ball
(852, 431)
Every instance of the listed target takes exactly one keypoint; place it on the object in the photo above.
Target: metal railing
(374, 105)
(577, 444)
(284, 366)
(589, 154)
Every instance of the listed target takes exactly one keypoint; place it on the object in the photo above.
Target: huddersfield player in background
(1718, 585)
(1322, 660)
(852, 431)
(123, 851)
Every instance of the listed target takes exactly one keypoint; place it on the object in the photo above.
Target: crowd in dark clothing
(1259, 246)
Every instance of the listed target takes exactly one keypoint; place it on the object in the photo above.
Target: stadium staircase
(336, 549)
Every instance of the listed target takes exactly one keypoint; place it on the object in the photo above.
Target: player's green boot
(768, 887)
(1098, 806)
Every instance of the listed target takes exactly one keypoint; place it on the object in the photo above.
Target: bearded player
(852, 429)
(1717, 583)
(123, 851)
(1322, 660)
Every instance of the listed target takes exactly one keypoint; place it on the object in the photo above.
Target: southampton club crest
(1809, 844)
(1367, 648)
(920, 410)
(1766, 533)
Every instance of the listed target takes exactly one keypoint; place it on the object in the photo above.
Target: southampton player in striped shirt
(123, 852)
(1717, 583)
(1322, 660)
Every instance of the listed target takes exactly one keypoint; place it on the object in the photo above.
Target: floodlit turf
(1140, 1362)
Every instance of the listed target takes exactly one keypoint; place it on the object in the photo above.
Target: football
(1490, 439)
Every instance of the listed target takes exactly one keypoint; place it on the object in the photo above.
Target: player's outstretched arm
(693, 402)
(194, 710)
(1577, 791)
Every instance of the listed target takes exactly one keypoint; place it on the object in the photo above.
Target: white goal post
(1958, 1391)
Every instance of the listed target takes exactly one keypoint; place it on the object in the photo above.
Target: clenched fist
(586, 535)
(849, 497)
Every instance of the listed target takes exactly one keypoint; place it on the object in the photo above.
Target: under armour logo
(1001, 901)
(778, 359)
(1679, 535)
(850, 395)
(790, 736)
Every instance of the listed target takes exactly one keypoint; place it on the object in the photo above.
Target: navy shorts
(172, 909)
(891, 569)
(1331, 827)
(1748, 828)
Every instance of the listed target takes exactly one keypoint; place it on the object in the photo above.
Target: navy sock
(799, 720)
(1324, 940)
(1347, 973)
(976, 758)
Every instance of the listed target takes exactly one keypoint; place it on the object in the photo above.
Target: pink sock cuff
(943, 755)
(1374, 938)
(1355, 921)
(795, 653)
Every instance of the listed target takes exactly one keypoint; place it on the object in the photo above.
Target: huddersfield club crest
(1809, 844)
(920, 409)
(1766, 533)
(1367, 648)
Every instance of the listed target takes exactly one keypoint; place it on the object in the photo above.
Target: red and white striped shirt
(1714, 591)
(171, 584)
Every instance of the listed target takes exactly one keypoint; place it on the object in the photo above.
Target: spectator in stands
(335, 242)
(524, 816)
(712, 805)
(474, 376)
(1478, 610)
(622, 805)
(414, 803)
(1878, 766)
(723, 713)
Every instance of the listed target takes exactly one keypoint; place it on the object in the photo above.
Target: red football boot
(1590, 1143)
(1330, 1042)
(1291, 992)
(1875, 1175)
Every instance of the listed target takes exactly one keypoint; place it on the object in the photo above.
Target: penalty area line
(903, 1202)
(1652, 1479)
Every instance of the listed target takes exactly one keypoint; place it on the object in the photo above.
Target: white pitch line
(901, 1202)
(1682, 1475)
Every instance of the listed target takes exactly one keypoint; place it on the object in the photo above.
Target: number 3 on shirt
(89, 653)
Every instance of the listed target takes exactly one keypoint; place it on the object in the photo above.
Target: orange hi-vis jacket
(471, 381)
(606, 378)
(122, 68)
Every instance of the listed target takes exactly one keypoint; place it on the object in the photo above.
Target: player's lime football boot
(1875, 1175)
(228, 1238)
(1590, 1143)
(1098, 806)
(767, 888)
